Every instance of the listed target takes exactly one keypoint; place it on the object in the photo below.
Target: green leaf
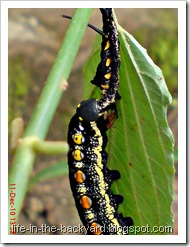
(57, 169)
(140, 143)
(175, 154)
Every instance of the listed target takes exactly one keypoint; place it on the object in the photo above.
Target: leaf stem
(50, 147)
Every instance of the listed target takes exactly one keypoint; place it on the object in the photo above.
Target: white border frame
(181, 237)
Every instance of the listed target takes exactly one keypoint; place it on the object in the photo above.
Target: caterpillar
(106, 77)
(90, 178)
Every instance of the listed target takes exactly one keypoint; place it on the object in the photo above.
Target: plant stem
(57, 79)
(46, 107)
(49, 147)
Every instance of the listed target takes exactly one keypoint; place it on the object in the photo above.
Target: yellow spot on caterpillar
(79, 177)
(81, 190)
(79, 165)
(95, 228)
(78, 138)
(107, 45)
(78, 106)
(81, 119)
(108, 61)
(85, 202)
(78, 156)
(108, 75)
(90, 216)
(105, 86)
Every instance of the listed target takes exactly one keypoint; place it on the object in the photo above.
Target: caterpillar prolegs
(90, 178)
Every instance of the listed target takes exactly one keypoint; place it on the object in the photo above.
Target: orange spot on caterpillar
(95, 228)
(80, 176)
(85, 202)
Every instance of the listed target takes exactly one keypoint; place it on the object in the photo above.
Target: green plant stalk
(48, 147)
(57, 80)
(46, 107)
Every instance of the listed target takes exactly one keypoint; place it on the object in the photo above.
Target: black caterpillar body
(90, 178)
(107, 74)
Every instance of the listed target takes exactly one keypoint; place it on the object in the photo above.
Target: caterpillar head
(87, 110)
